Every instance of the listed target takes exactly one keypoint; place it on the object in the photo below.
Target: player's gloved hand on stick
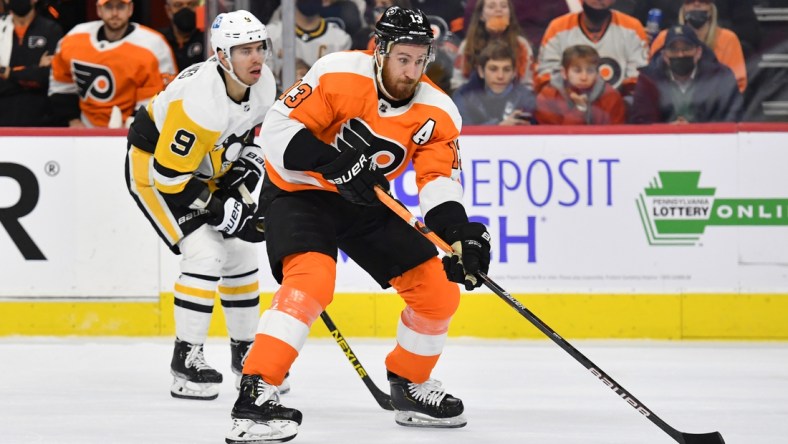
(354, 173)
(471, 244)
(235, 218)
(247, 169)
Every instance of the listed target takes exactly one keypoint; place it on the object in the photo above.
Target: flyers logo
(386, 153)
(610, 70)
(93, 81)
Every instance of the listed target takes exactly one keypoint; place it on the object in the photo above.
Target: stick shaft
(383, 399)
(406, 215)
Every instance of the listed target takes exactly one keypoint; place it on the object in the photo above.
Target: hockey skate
(239, 350)
(258, 417)
(424, 405)
(193, 378)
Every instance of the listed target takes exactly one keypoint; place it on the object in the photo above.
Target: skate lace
(266, 392)
(429, 392)
(196, 359)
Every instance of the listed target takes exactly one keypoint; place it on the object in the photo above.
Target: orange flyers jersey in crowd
(341, 87)
(622, 48)
(125, 73)
(202, 130)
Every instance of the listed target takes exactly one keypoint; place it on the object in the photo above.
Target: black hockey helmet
(398, 25)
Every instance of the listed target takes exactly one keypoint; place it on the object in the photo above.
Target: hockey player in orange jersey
(106, 63)
(355, 120)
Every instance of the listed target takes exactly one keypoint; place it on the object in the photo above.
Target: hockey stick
(383, 399)
(680, 437)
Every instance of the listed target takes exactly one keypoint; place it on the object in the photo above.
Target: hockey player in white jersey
(190, 153)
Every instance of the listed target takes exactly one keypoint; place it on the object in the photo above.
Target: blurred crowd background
(91, 63)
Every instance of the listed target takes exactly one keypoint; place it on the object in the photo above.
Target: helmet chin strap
(379, 75)
(230, 70)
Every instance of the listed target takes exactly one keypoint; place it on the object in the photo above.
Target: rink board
(621, 232)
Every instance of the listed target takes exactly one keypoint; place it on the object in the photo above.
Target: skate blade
(415, 419)
(266, 432)
(184, 389)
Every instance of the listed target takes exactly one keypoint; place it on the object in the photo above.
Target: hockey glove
(235, 218)
(353, 172)
(471, 244)
(247, 170)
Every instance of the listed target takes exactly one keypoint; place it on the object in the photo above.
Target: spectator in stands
(533, 16)
(736, 15)
(108, 63)
(619, 39)
(66, 13)
(186, 41)
(365, 37)
(265, 11)
(579, 96)
(27, 43)
(315, 36)
(493, 20)
(451, 11)
(701, 15)
(684, 83)
(344, 11)
(493, 96)
(301, 68)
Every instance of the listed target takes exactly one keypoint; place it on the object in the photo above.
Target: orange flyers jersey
(202, 130)
(342, 86)
(622, 48)
(125, 73)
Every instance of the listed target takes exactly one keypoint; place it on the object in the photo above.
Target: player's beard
(400, 89)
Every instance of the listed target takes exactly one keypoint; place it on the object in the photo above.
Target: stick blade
(703, 438)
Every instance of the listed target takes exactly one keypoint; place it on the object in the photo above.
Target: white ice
(110, 390)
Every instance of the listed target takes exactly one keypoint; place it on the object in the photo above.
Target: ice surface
(116, 390)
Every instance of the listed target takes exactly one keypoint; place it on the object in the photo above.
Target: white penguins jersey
(309, 45)
(202, 130)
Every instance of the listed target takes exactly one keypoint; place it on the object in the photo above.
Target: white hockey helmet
(235, 28)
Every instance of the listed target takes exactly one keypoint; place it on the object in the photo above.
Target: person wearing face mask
(737, 15)
(315, 37)
(701, 15)
(685, 83)
(493, 20)
(619, 39)
(187, 42)
(27, 42)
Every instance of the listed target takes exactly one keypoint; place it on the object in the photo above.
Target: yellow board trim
(688, 316)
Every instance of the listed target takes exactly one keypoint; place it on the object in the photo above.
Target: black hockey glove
(353, 172)
(247, 170)
(471, 244)
(235, 218)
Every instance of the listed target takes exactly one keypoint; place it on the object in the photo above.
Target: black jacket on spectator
(191, 52)
(712, 97)
(23, 96)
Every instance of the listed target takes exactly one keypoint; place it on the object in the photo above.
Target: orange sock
(307, 288)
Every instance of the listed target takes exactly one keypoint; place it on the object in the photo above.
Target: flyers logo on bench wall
(93, 81)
